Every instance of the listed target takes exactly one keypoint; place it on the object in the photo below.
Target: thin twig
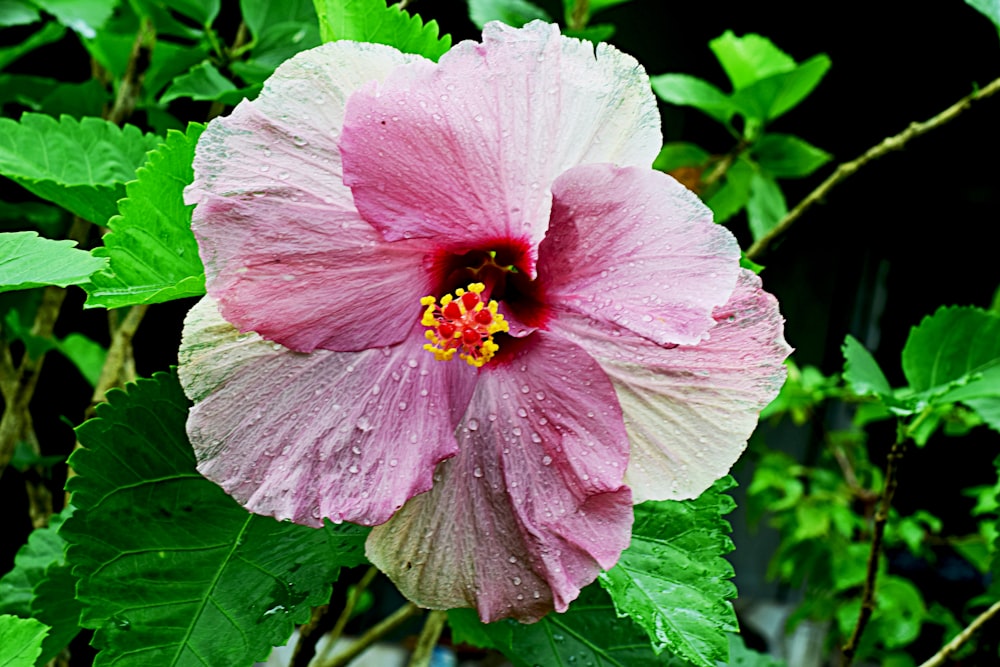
(131, 83)
(881, 516)
(428, 639)
(962, 637)
(578, 15)
(848, 168)
(345, 615)
(374, 634)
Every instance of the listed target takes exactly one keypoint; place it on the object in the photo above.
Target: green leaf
(153, 254)
(734, 194)
(83, 16)
(204, 82)
(600, 32)
(48, 33)
(43, 549)
(18, 12)
(373, 21)
(787, 156)
(673, 580)
(989, 8)
(861, 371)
(280, 30)
(55, 604)
(685, 90)
(512, 12)
(79, 165)
(261, 14)
(87, 355)
(954, 355)
(768, 98)
(676, 154)
(172, 570)
(588, 633)
(749, 58)
(27, 260)
(202, 11)
(766, 205)
(741, 656)
(20, 641)
(50, 220)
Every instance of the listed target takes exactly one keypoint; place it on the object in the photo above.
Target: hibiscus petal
(635, 248)
(467, 150)
(345, 436)
(532, 507)
(285, 252)
(690, 409)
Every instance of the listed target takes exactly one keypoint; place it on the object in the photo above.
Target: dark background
(907, 234)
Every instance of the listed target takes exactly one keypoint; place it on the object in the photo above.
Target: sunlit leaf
(766, 206)
(204, 82)
(673, 580)
(770, 97)
(153, 254)
(18, 12)
(788, 156)
(691, 91)
(512, 12)
(83, 16)
(861, 371)
(27, 260)
(749, 58)
(20, 641)
(373, 21)
(989, 8)
(172, 571)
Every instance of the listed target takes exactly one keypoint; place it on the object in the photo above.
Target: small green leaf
(27, 260)
(43, 549)
(204, 82)
(79, 165)
(597, 33)
(18, 12)
(280, 30)
(954, 355)
(766, 206)
(787, 156)
(749, 58)
(685, 90)
(861, 371)
(734, 194)
(373, 21)
(768, 98)
(512, 12)
(741, 656)
(172, 571)
(202, 11)
(54, 603)
(153, 254)
(588, 633)
(87, 355)
(673, 580)
(83, 16)
(48, 33)
(989, 8)
(20, 641)
(676, 154)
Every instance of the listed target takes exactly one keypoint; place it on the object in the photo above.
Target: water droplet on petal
(477, 472)
(472, 425)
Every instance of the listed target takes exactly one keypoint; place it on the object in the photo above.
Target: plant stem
(131, 83)
(428, 639)
(349, 605)
(846, 169)
(962, 637)
(375, 633)
(881, 516)
(578, 15)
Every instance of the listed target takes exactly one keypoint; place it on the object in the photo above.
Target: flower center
(463, 323)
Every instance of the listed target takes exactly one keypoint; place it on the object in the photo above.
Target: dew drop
(546, 460)
(472, 425)
(477, 472)
(353, 469)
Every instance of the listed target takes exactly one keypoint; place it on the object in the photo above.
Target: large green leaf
(772, 96)
(511, 12)
(788, 156)
(685, 90)
(80, 165)
(749, 58)
(673, 580)
(43, 548)
(18, 12)
(280, 30)
(83, 16)
(172, 570)
(204, 82)
(20, 641)
(373, 21)
(54, 603)
(588, 633)
(954, 355)
(861, 371)
(202, 11)
(153, 254)
(28, 260)
(989, 8)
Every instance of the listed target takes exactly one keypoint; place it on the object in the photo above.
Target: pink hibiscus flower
(373, 219)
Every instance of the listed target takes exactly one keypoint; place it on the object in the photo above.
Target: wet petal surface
(532, 507)
(345, 436)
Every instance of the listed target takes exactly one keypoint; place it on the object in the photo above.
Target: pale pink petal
(690, 409)
(344, 436)
(532, 507)
(285, 252)
(635, 248)
(468, 149)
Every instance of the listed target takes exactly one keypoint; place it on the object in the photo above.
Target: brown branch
(374, 634)
(881, 516)
(962, 637)
(428, 639)
(131, 83)
(846, 169)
